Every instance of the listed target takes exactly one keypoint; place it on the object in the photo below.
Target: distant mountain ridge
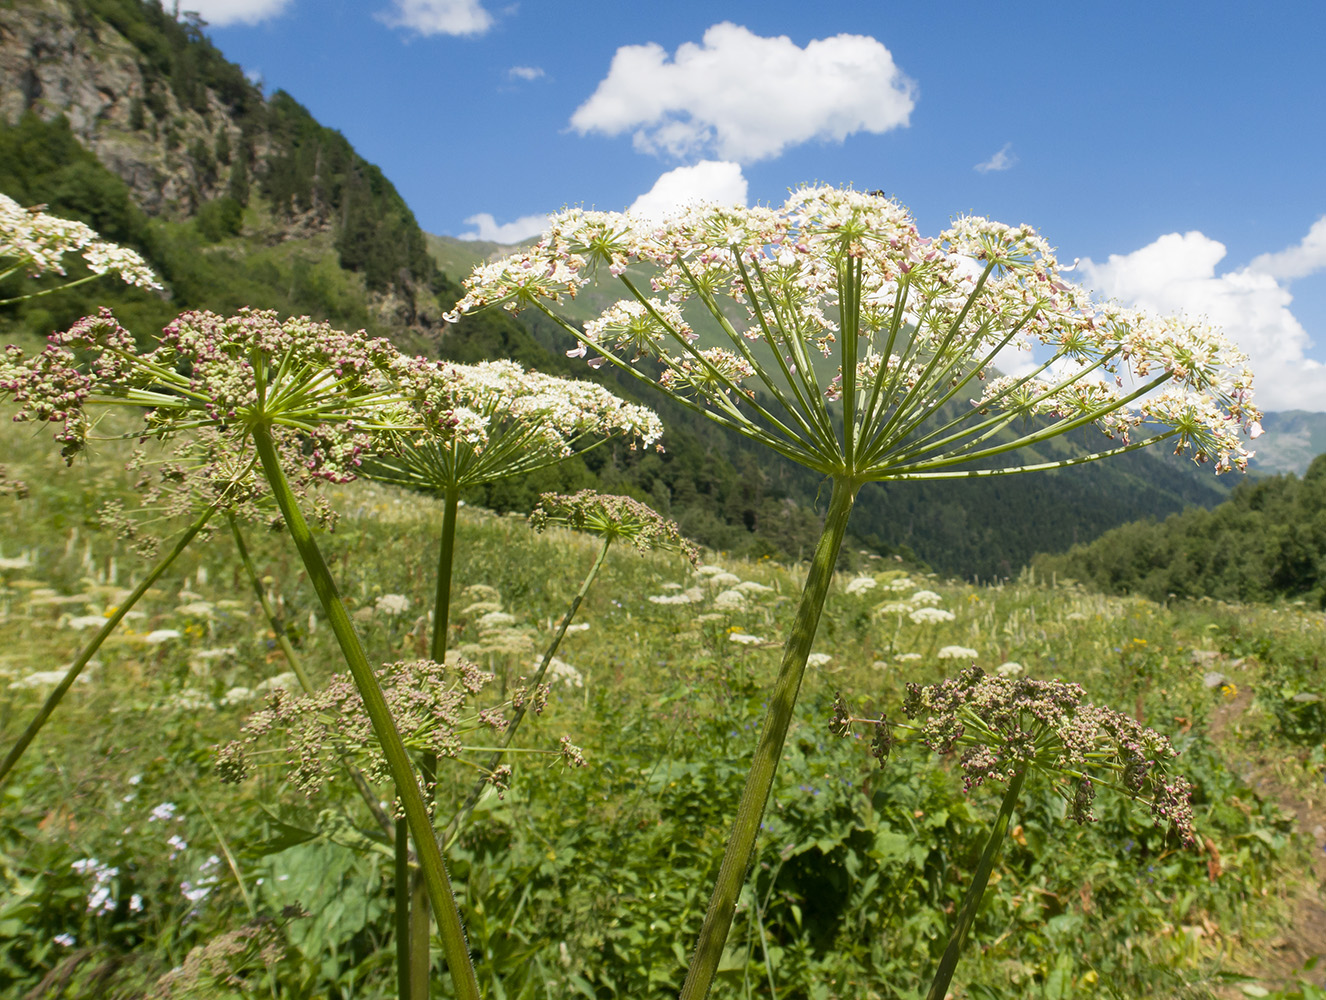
(1292, 440)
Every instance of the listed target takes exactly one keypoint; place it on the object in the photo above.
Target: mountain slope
(1267, 541)
(213, 168)
(119, 115)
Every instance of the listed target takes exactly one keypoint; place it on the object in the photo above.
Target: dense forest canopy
(1267, 541)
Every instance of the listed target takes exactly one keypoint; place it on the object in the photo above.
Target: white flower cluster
(730, 592)
(928, 315)
(496, 419)
(921, 608)
(930, 616)
(392, 604)
(37, 243)
(861, 585)
(957, 653)
(100, 900)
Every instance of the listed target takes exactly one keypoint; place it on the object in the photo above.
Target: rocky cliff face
(54, 62)
(162, 109)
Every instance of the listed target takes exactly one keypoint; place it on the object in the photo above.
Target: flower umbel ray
(832, 331)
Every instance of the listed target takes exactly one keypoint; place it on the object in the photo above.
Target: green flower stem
(71, 675)
(417, 900)
(402, 909)
(47, 291)
(743, 426)
(963, 453)
(283, 640)
(458, 821)
(1040, 467)
(739, 342)
(437, 651)
(822, 432)
(849, 293)
(769, 749)
(454, 945)
(278, 628)
(947, 964)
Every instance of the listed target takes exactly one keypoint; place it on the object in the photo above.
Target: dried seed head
(1001, 726)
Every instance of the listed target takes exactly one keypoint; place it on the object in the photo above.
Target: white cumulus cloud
(745, 97)
(1178, 274)
(225, 12)
(716, 181)
(438, 17)
(525, 72)
(487, 228)
(1297, 261)
(1002, 160)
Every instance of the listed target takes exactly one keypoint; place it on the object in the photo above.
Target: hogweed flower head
(839, 336)
(434, 708)
(472, 424)
(230, 373)
(37, 243)
(613, 517)
(1003, 725)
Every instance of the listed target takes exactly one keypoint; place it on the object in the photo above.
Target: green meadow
(131, 870)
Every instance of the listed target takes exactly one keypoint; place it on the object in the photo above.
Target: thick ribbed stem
(454, 827)
(90, 650)
(384, 727)
(437, 650)
(947, 964)
(769, 749)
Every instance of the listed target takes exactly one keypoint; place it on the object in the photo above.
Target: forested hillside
(125, 118)
(1267, 541)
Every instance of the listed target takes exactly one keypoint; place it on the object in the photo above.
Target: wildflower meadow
(284, 716)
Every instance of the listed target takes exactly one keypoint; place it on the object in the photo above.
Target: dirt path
(1305, 938)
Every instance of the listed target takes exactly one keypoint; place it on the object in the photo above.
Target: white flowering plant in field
(34, 242)
(830, 330)
(906, 324)
(257, 407)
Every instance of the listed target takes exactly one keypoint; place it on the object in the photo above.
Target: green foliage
(1267, 541)
(219, 219)
(590, 883)
(42, 163)
(176, 54)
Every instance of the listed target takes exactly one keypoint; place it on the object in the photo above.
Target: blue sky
(1179, 150)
